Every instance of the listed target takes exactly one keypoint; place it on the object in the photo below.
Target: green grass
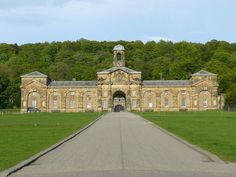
(214, 131)
(23, 135)
(7, 111)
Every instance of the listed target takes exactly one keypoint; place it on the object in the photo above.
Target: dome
(119, 47)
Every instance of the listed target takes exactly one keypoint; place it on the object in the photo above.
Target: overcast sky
(30, 21)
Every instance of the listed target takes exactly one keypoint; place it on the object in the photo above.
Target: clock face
(119, 63)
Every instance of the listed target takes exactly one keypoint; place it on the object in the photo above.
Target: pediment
(34, 83)
(114, 69)
(119, 76)
(204, 83)
(119, 71)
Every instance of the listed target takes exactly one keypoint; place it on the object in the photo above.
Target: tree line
(83, 58)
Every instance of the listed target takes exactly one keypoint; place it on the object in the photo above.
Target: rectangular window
(89, 102)
(34, 103)
(149, 102)
(183, 103)
(55, 104)
(89, 105)
(134, 103)
(205, 103)
(175, 101)
(80, 102)
(214, 102)
(104, 104)
(72, 104)
(166, 102)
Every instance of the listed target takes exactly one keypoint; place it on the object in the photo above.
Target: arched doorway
(118, 108)
(119, 101)
(34, 100)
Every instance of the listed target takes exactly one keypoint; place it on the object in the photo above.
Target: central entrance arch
(119, 101)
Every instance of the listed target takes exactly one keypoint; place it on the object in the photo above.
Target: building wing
(157, 83)
(73, 84)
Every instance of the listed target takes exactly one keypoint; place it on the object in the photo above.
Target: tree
(230, 99)
(83, 58)
(59, 71)
(3, 96)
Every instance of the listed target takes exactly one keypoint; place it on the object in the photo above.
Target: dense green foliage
(23, 135)
(82, 59)
(213, 131)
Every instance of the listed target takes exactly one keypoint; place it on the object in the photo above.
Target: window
(89, 105)
(183, 103)
(55, 104)
(104, 104)
(89, 102)
(166, 102)
(134, 103)
(175, 101)
(118, 56)
(214, 102)
(149, 102)
(34, 103)
(80, 99)
(72, 104)
(205, 103)
(195, 102)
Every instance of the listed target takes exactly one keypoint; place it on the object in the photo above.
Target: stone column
(110, 97)
(99, 97)
(128, 100)
(63, 102)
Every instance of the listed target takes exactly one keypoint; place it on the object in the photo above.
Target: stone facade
(119, 88)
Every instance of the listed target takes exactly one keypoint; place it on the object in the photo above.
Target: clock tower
(119, 56)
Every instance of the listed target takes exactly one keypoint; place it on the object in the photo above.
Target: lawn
(23, 135)
(214, 131)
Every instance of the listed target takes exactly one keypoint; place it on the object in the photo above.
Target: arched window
(183, 102)
(34, 100)
(55, 104)
(89, 102)
(149, 102)
(205, 99)
(55, 101)
(72, 102)
(34, 103)
(166, 102)
(118, 56)
(205, 103)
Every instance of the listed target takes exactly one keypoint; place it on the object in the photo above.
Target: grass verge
(23, 135)
(214, 131)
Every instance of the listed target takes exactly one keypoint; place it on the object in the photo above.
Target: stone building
(119, 88)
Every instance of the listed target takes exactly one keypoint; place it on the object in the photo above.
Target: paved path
(125, 145)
